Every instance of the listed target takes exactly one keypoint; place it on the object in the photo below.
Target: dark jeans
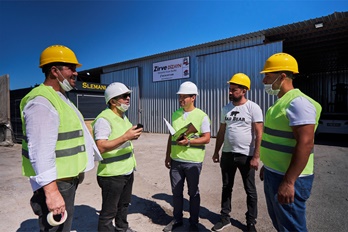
(180, 171)
(229, 164)
(38, 203)
(116, 195)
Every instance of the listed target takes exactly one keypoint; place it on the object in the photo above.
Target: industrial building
(320, 46)
(88, 97)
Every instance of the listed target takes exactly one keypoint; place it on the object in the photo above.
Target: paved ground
(151, 206)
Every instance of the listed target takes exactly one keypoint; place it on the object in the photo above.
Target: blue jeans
(229, 164)
(180, 171)
(287, 217)
(116, 197)
(38, 203)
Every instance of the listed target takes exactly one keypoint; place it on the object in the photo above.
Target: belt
(67, 179)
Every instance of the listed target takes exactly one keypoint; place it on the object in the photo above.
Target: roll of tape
(53, 222)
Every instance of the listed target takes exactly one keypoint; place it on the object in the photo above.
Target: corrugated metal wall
(329, 88)
(129, 77)
(210, 68)
(215, 70)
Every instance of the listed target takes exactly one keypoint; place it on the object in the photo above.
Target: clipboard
(187, 131)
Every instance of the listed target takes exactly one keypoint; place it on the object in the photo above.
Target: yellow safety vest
(192, 153)
(71, 156)
(278, 141)
(121, 160)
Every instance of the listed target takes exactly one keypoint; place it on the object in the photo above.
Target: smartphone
(139, 126)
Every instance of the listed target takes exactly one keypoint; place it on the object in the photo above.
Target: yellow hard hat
(240, 79)
(280, 62)
(58, 53)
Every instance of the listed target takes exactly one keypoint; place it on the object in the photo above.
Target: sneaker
(172, 225)
(193, 228)
(251, 227)
(221, 225)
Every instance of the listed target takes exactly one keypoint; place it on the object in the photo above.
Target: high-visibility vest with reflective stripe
(71, 156)
(121, 160)
(192, 153)
(278, 141)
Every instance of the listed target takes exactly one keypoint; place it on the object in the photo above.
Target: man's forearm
(304, 135)
(258, 128)
(169, 146)
(298, 162)
(219, 141)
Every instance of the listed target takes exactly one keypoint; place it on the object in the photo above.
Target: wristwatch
(188, 143)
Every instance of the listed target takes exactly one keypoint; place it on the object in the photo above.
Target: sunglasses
(125, 96)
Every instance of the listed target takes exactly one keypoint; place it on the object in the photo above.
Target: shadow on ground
(29, 225)
(150, 209)
(204, 213)
(85, 219)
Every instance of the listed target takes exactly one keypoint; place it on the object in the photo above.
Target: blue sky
(107, 32)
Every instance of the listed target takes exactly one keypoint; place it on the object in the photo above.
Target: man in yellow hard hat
(240, 134)
(114, 134)
(287, 145)
(57, 147)
(185, 155)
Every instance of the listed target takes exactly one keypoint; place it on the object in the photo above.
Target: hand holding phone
(139, 126)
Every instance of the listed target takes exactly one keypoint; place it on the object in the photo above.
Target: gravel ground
(151, 209)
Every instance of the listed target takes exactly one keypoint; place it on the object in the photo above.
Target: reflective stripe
(70, 135)
(116, 158)
(61, 153)
(278, 147)
(64, 136)
(279, 133)
(70, 151)
(200, 147)
(25, 153)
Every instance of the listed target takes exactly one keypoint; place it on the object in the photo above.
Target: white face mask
(65, 84)
(269, 90)
(123, 107)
